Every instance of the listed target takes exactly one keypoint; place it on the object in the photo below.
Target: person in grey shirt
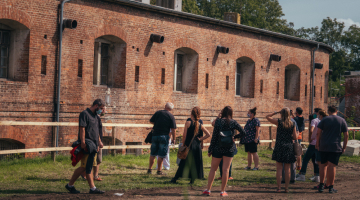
(329, 145)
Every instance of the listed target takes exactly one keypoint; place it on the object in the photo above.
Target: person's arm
(187, 125)
(292, 114)
(101, 145)
(82, 137)
(271, 120)
(346, 138)
(257, 134)
(310, 133)
(240, 129)
(173, 133)
(207, 134)
(295, 136)
(318, 136)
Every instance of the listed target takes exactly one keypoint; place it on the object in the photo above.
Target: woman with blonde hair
(284, 149)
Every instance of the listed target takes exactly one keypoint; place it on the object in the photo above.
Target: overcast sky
(310, 13)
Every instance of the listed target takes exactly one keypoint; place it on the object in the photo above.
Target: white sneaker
(300, 178)
(317, 179)
(312, 178)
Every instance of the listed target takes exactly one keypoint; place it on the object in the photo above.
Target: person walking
(163, 121)
(192, 166)
(311, 151)
(329, 145)
(88, 138)
(284, 150)
(99, 154)
(251, 139)
(222, 147)
(300, 121)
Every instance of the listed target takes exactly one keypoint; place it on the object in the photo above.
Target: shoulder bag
(184, 150)
(148, 138)
(297, 149)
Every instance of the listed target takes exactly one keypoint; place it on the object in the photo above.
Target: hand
(98, 149)
(83, 145)
(256, 140)
(209, 154)
(343, 151)
(101, 145)
(202, 146)
(173, 141)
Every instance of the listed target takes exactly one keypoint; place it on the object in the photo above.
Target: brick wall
(352, 96)
(34, 100)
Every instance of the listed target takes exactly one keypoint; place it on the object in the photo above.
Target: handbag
(226, 138)
(297, 149)
(184, 150)
(148, 138)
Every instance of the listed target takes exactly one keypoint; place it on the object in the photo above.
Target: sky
(310, 13)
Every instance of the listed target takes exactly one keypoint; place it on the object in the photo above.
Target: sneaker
(292, 182)
(231, 178)
(161, 173)
(255, 169)
(297, 176)
(149, 171)
(72, 189)
(207, 193)
(173, 180)
(247, 168)
(96, 191)
(317, 187)
(316, 179)
(321, 188)
(301, 178)
(97, 178)
(311, 179)
(167, 168)
(332, 190)
(219, 178)
(224, 194)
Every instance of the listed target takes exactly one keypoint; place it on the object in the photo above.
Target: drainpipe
(313, 80)
(59, 72)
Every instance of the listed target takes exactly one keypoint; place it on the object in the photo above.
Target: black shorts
(217, 154)
(251, 147)
(332, 157)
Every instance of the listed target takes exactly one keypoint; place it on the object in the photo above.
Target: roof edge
(218, 22)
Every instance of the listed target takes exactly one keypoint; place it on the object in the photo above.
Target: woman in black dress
(220, 152)
(192, 166)
(284, 149)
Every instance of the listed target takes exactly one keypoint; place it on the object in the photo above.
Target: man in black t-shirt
(89, 131)
(163, 121)
(329, 145)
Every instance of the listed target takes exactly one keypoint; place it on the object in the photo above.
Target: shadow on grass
(33, 178)
(22, 191)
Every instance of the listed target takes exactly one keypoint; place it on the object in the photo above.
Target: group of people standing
(325, 147)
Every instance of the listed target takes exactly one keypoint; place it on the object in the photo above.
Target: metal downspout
(59, 71)
(313, 80)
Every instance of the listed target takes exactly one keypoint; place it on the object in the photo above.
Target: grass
(42, 175)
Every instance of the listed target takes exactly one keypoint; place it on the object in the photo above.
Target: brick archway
(104, 29)
(14, 133)
(8, 12)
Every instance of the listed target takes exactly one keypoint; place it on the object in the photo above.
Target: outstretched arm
(271, 120)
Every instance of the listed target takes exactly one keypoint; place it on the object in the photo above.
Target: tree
(191, 6)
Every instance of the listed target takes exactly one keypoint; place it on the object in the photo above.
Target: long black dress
(284, 149)
(195, 154)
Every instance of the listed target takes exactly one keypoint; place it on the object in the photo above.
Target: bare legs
(250, 158)
(323, 169)
(327, 170)
(159, 162)
(225, 173)
(214, 166)
(279, 167)
(256, 159)
(76, 175)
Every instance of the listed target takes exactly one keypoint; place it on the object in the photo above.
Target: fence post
(270, 135)
(113, 140)
(354, 135)
(53, 153)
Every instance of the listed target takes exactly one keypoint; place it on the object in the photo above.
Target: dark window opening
(137, 73)
(261, 86)
(305, 90)
(163, 76)
(238, 78)
(45, 36)
(43, 64)
(4, 53)
(180, 65)
(227, 82)
(105, 58)
(321, 93)
(277, 88)
(314, 91)
(80, 67)
(207, 81)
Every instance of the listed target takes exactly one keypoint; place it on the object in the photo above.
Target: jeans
(221, 165)
(160, 146)
(311, 151)
(292, 172)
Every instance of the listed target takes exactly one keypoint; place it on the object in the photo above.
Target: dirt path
(348, 184)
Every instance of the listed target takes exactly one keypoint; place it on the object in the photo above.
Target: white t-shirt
(314, 123)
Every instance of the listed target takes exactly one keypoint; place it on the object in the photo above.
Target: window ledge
(103, 86)
(9, 81)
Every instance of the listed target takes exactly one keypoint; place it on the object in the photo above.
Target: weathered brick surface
(352, 96)
(34, 100)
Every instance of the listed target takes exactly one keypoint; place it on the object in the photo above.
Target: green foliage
(191, 6)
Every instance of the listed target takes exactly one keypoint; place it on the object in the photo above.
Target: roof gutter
(217, 22)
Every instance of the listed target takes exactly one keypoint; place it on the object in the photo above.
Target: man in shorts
(99, 154)
(89, 138)
(163, 121)
(329, 145)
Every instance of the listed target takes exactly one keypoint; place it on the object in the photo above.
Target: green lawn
(42, 175)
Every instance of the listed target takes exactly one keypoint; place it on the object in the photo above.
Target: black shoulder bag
(149, 137)
(226, 137)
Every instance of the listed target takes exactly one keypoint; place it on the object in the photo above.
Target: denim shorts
(160, 145)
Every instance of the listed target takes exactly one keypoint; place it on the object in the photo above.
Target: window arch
(186, 70)
(14, 50)
(245, 77)
(9, 144)
(109, 61)
(292, 83)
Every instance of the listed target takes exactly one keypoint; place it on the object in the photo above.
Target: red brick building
(111, 49)
(352, 94)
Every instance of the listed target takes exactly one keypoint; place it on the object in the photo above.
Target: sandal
(286, 190)
(278, 190)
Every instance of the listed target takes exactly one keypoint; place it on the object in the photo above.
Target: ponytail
(196, 114)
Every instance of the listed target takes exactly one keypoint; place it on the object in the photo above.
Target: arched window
(9, 144)
(292, 83)
(109, 61)
(245, 77)
(186, 70)
(14, 50)
(326, 87)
